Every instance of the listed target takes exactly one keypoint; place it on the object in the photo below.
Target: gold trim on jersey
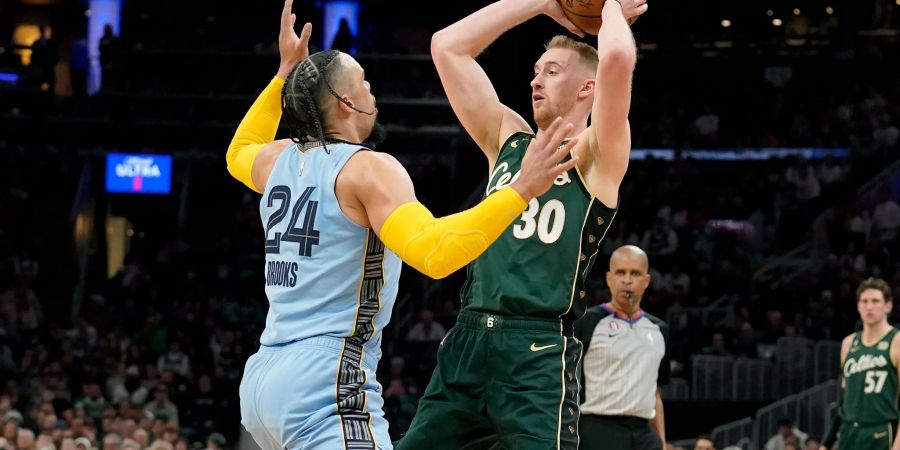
(891, 433)
(586, 260)
(562, 379)
(587, 215)
(351, 398)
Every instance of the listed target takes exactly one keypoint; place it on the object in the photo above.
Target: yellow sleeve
(255, 131)
(439, 247)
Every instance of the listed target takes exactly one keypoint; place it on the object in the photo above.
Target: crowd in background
(151, 357)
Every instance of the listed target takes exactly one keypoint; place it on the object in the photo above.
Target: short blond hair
(586, 53)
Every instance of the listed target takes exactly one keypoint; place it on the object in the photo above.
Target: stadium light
(776, 22)
(796, 11)
(726, 23)
(829, 10)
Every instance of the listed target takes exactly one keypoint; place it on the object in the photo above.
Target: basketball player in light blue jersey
(338, 219)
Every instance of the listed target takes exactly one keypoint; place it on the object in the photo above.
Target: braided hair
(300, 97)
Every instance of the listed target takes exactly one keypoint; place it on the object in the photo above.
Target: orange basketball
(586, 14)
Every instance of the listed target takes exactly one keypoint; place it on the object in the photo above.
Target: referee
(624, 363)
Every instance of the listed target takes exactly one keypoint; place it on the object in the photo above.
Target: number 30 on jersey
(547, 220)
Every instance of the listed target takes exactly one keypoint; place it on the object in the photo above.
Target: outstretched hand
(291, 48)
(541, 164)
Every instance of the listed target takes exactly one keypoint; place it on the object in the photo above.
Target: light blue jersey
(331, 285)
(325, 275)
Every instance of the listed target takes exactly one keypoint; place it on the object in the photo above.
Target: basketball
(586, 14)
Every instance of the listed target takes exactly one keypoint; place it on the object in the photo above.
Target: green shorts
(502, 383)
(858, 436)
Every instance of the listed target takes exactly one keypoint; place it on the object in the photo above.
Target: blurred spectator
(426, 329)
(774, 327)
(787, 434)
(886, 135)
(859, 225)
(204, 408)
(802, 177)
(141, 437)
(344, 39)
(660, 242)
(886, 218)
(853, 263)
(717, 346)
(92, 402)
(110, 47)
(175, 360)
(44, 56)
(83, 443)
(21, 308)
(161, 407)
(215, 441)
(677, 282)
(25, 439)
(706, 127)
(704, 443)
(399, 405)
(112, 441)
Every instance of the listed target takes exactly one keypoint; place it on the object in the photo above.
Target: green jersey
(870, 382)
(538, 266)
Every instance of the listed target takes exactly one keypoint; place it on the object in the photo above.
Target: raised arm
(610, 139)
(253, 149)
(468, 88)
(438, 247)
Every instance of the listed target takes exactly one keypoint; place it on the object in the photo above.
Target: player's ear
(587, 88)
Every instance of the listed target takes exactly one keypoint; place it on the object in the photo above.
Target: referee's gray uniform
(624, 363)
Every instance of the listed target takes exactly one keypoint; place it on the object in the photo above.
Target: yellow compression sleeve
(255, 131)
(439, 247)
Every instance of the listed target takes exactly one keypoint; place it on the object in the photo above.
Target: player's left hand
(555, 11)
(292, 48)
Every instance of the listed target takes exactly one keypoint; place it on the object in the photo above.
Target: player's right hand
(291, 48)
(552, 9)
(631, 9)
(541, 164)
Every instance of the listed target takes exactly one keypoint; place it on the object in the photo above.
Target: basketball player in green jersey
(507, 372)
(870, 361)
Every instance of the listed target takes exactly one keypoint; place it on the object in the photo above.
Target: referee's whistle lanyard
(631, 319)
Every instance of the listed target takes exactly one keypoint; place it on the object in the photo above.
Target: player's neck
(579, 126)
(874, 333)
(344, 131)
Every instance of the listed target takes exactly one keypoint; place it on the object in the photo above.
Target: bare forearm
(615, 34)
(471, 35)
